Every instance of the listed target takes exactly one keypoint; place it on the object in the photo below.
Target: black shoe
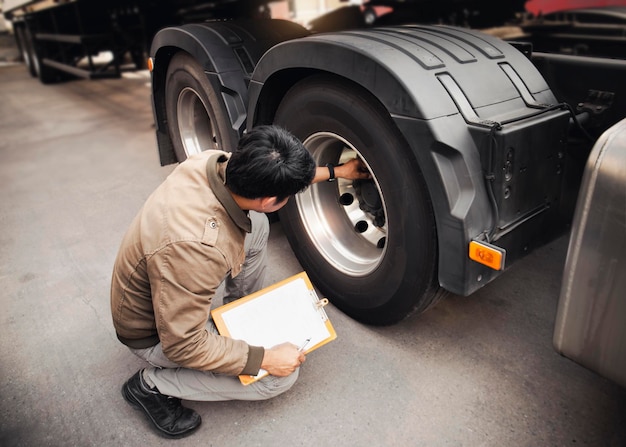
(166, 413)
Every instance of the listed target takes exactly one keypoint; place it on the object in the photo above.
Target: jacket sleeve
(184, 277)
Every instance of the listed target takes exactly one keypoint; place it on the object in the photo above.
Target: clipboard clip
(321, 303)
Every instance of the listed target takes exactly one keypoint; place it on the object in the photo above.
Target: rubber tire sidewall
(184, 72)
(405, 279)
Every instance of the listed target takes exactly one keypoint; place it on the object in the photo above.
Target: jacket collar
(216, 175)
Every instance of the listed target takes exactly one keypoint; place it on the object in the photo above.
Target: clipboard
(288, 311)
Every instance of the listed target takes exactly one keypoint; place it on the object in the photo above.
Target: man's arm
(182, 299)
(351, 170)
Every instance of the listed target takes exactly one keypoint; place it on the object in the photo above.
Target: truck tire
(369, 246)
(196, 115)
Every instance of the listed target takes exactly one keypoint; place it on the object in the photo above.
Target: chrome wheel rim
(194, 124)
(349, 237)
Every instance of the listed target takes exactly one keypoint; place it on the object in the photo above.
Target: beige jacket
(183, 242)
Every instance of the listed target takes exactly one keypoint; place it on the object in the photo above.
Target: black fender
(228, 51)
(445, 88)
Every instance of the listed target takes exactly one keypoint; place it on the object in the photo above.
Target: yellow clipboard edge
(247, 380)
(218, 319)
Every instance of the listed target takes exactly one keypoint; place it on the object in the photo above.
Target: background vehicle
(64, 39)
(476, 145)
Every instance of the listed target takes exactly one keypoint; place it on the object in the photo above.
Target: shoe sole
(132, 400)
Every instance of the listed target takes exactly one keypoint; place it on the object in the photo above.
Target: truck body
(476, 145)
(476, 139)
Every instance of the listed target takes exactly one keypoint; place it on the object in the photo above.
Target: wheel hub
(369, 200)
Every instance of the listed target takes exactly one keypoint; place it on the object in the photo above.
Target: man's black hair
(269, 162)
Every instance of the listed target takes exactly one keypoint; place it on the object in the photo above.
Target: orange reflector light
(150, 64)
(487, 254)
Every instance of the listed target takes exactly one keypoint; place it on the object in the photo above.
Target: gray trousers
(190, 384)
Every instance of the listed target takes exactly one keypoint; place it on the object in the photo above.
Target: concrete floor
(79, 159)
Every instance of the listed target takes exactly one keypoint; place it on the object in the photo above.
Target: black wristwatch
(331, 171)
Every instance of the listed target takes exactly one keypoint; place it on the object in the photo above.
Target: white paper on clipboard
(288, 311)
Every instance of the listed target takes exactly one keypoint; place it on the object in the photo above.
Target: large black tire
(370, 247)
(196, 114)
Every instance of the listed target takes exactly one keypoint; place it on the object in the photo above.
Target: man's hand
(282, 360)
(352, 170)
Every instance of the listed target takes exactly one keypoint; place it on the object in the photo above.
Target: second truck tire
(196, 114)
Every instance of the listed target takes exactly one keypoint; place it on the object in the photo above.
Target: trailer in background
(65, 39)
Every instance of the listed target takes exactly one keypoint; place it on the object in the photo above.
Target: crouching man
(203, 225)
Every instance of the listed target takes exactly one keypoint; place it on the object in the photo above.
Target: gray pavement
(9, 52)
(79, 159)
